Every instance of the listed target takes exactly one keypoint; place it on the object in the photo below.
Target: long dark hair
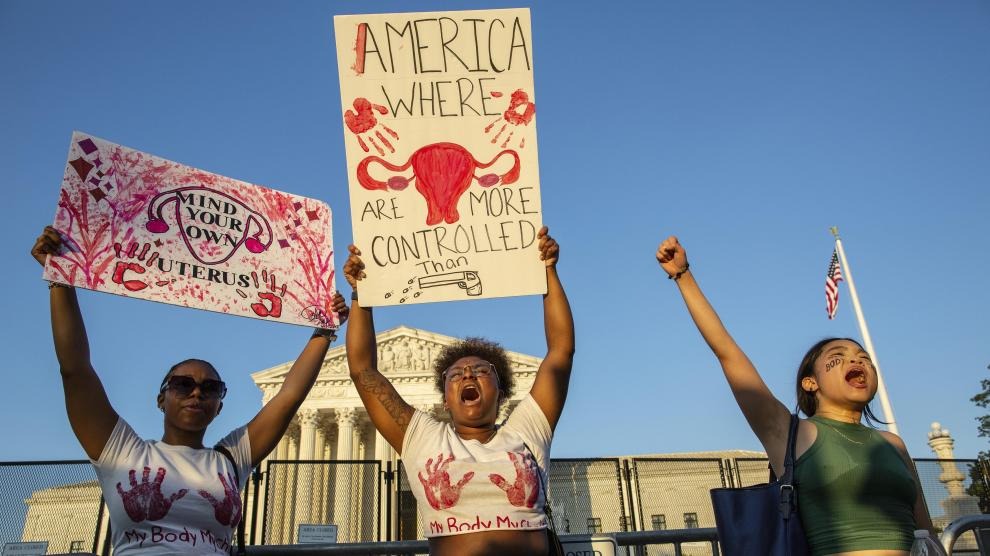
(806, 400)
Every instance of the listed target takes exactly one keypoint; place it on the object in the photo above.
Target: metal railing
(979, 525)
(60, 501)
(637, 543)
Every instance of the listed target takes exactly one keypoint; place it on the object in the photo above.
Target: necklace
(840, 433)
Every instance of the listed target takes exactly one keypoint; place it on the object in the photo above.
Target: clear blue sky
(745, 128)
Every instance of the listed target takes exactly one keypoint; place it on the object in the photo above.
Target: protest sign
(442, 102)
(140, 226)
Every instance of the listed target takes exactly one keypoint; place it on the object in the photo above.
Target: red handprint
(145, 501)
(364, 121)
(514, 115)
(273, 296)
(123, 266)
(439, 493)
(227, 512)
(526, 470)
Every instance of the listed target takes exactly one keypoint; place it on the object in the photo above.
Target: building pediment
(405, 356)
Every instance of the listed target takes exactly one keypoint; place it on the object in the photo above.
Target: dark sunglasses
(183, 386)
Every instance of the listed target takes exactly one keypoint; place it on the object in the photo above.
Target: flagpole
(888, 410)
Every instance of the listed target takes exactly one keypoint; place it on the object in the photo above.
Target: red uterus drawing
(443, 172)
(212, 224)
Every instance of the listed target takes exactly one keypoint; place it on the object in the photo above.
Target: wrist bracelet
(53, 284)
(325, 333)
(676, 277)
(354, 296)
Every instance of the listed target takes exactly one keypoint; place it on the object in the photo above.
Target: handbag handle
(241, 547)
(788, 477)
(788, 496)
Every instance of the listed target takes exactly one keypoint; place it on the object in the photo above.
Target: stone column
(342, 486)
(288, 502)
(308, 419)
(275, 493)
(958, 503)
(319, 475)
(384, 454)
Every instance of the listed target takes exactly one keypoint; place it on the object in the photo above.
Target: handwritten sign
(140, 226)
(442, 102)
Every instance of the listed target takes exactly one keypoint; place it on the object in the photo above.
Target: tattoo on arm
(379, 387)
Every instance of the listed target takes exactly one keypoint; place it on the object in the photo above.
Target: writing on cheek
(832, 363)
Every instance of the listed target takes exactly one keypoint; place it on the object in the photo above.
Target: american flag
(832, 279)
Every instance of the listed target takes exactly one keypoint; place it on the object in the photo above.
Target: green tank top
(854, 491)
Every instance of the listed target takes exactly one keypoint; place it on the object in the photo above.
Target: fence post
(633, 502)
(99, 525)
(388, 500)
(256, 480)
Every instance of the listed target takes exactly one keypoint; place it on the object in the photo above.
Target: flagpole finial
(835, 231)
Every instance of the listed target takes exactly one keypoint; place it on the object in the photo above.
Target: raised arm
(386, 408)
(554, 375)
(768, 418)
(268, 426)
(90, 414)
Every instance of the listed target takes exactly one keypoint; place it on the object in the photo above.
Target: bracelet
(354, 296)
(676, 277)
(53, 284)
(325, 333)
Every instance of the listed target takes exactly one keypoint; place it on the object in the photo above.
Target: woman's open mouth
(856, 377)
(470, 394)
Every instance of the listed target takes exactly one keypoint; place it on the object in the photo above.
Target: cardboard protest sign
(442, 102)
(137, 225)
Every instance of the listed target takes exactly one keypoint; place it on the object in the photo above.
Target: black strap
(551, 524)
(241, 547)
(788, 497)
(788, 478)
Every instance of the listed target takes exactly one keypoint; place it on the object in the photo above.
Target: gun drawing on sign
(467, 280)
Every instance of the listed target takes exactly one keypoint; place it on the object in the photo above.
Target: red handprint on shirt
(227, 512)
(439, 493)
(145, 501)
(526, 478)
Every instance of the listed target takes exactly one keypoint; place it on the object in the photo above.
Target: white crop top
(464, 486)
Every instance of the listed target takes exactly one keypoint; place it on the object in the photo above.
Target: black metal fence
(343, 493)
(60, 501)
(55, 501)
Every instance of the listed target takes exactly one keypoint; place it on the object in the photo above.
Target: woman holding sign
(174, 495)
(479, 484)
(857, 489)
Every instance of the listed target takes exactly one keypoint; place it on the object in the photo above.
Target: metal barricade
(978, 525)
(54, 501)
(345, 493)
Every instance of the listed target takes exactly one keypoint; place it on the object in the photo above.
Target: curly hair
(479, 347)
(806, 401)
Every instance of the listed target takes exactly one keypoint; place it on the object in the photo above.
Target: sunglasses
(183, 386)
